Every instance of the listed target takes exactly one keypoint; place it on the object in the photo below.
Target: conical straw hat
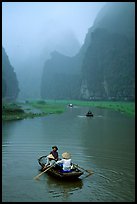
(66, 155)
(50, 156)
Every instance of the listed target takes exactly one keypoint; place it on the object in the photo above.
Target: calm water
(104, 144)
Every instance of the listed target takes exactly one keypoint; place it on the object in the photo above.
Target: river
(104, 144)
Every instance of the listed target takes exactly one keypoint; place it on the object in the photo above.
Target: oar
(89, 171)
(36, 177)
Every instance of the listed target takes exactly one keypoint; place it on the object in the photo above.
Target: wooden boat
(59, 173)
(89, 114)
(70, 105)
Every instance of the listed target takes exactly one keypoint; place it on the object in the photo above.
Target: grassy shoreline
(127, 108)
(17, 111)
(123, 107)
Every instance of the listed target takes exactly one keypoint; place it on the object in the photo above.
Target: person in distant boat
(70, 105)
(66, 162)
(52, 157)
(89, 113)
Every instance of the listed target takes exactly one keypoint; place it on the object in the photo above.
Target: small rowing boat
(89, 114)
(58, 172)
(70, 105)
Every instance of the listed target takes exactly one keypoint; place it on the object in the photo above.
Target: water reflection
(111, 139)
(63, 189)
(110, 151)
(104, 144)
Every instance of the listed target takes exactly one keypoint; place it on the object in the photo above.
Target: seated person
(66, 161)
(52, 157)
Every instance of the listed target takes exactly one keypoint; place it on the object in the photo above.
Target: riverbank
(14, 111)
(18, 111)
(127, 108)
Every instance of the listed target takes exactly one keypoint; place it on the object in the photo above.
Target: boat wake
(82, 116)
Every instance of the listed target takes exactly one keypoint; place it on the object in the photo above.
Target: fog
(31, 30)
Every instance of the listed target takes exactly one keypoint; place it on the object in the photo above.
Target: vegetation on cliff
(10, 85)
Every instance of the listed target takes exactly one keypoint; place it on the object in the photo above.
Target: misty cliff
(10, 87)
(105, 65)
(61, 77)
(30, 66)
(108, 68)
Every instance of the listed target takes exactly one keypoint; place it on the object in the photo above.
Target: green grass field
(14, 111)
(124, 107)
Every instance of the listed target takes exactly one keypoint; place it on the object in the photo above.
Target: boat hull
(59, 173)
(74, 174)
(89, 115)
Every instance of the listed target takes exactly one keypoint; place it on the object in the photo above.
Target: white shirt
(66, 163)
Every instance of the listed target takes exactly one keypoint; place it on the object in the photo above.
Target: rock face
(61, 77)
(10, 88)
(108, 68)
(104, 68)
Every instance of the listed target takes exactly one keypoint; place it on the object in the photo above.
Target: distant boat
(89, 114)
(70, 105)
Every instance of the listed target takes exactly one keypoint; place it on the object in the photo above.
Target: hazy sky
(29, 26)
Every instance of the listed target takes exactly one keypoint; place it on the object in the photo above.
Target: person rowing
(52, 157)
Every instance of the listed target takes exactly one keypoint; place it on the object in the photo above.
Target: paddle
(36, 177)
(89, 171)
